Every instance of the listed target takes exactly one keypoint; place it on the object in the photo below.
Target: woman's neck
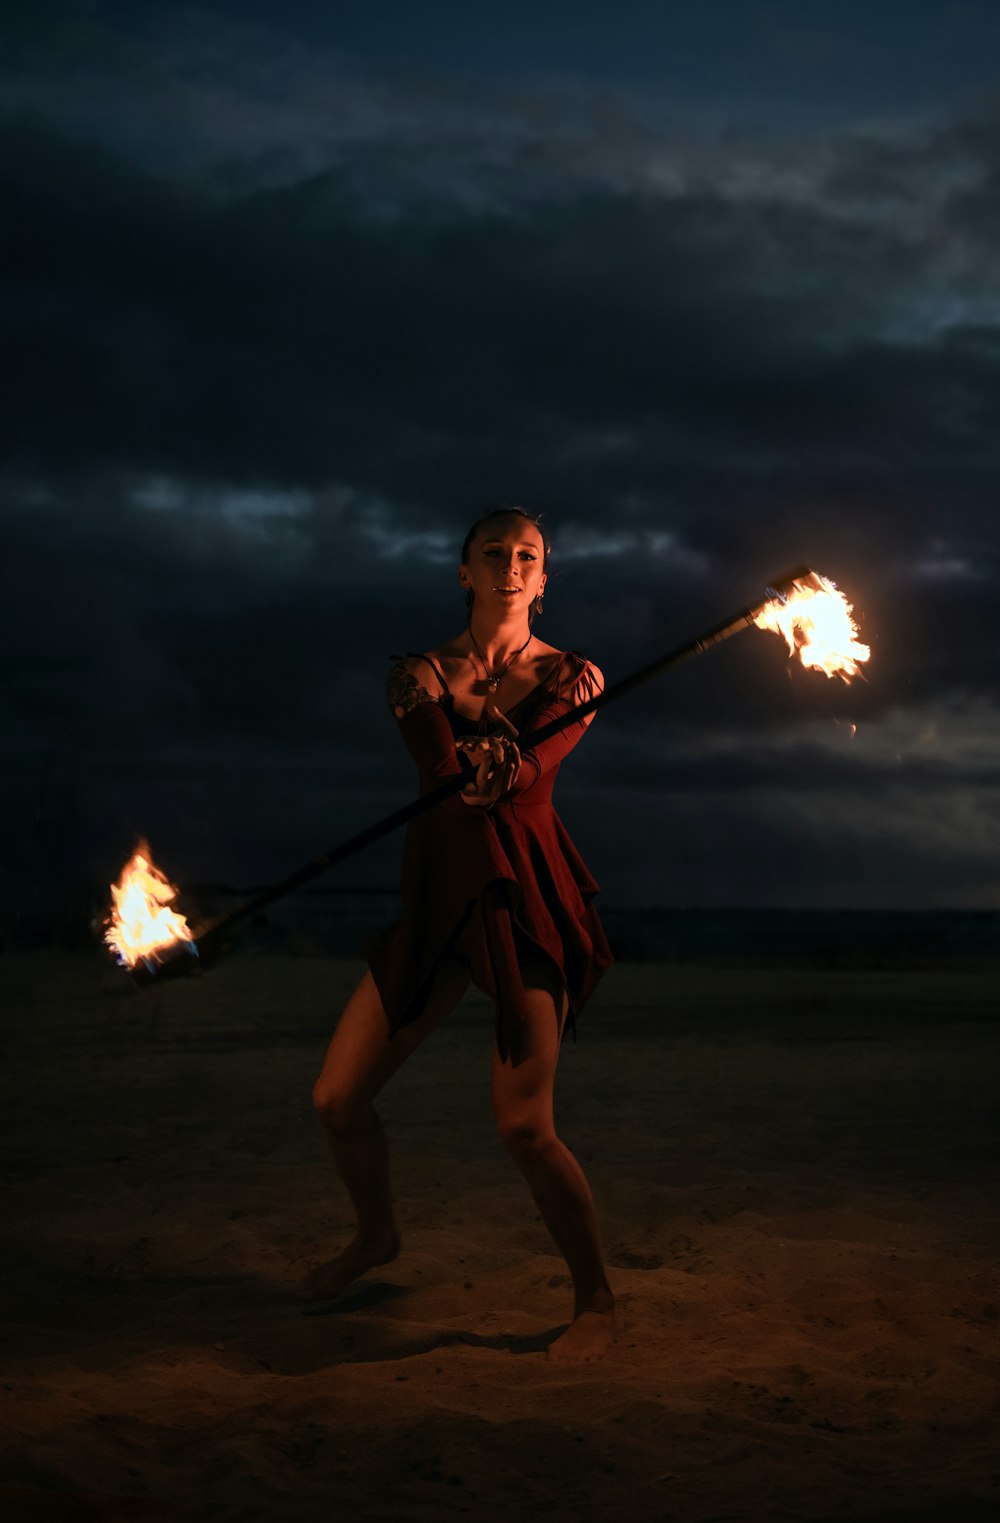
(497, 643)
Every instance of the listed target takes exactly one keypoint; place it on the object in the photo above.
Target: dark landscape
(796, 1167)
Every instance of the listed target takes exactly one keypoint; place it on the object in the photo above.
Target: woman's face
(505, 563)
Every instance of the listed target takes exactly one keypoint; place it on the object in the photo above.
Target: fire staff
(806, 609)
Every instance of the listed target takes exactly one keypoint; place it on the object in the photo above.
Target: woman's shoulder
(577, 678)
(560, 666)
(413, 679)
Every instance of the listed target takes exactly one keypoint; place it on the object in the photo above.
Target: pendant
(493, 683)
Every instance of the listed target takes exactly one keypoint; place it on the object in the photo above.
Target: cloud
(267, 371)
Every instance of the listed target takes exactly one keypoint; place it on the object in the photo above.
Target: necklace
(493, 678)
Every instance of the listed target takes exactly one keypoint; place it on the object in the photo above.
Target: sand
(796, 1173)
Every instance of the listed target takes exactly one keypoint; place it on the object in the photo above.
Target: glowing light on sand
(141, 924)
(815, 621)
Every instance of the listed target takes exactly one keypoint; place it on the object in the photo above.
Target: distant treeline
(340, 921)
(862, 937)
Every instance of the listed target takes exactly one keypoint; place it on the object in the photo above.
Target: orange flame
(815, 620)
(140, 924)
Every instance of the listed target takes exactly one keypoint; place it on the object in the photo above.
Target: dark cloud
(254, 405)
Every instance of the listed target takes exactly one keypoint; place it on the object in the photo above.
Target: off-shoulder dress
(492, 887)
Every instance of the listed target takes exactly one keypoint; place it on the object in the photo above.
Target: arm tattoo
(404, 691)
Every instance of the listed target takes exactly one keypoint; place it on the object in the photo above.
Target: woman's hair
(505, 512)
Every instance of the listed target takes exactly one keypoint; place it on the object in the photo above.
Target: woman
(493, 891)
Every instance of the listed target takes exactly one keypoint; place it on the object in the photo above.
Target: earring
(538, 608)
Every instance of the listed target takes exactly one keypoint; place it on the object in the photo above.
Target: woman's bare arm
(404, 687)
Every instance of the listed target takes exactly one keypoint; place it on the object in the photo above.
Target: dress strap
(419, 655)
(569, 669)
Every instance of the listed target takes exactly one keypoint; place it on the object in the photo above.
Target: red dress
(479, 884)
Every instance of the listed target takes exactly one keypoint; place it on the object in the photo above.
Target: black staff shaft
(731, 626)
(209, 938)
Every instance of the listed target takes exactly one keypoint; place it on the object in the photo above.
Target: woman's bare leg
(522, 1103)
(360, 1060)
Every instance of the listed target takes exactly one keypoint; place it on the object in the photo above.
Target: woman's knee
(338, 1108)
(524, 1131)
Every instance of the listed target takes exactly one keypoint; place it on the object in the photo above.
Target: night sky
(292, 293)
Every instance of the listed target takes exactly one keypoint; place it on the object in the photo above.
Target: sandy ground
(796, 1171)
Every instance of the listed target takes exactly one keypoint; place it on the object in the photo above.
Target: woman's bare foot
(361, 1254)
(589, 1336)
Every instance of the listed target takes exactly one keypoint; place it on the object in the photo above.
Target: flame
(140, 924)
(815, 620)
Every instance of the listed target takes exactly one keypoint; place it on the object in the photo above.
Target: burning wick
(815, 620)
(140, 925)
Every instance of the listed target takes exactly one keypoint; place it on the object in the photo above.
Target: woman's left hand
(496, 758)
